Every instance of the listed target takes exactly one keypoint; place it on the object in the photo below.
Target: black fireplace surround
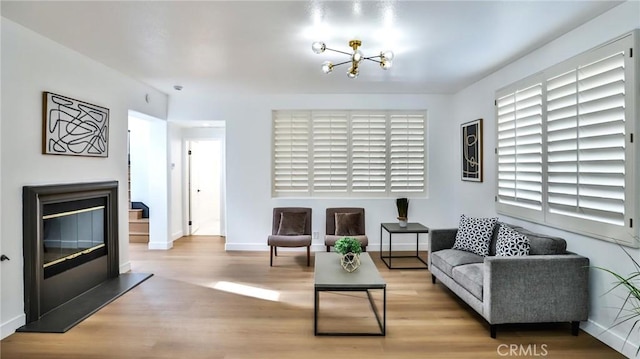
(70, 242)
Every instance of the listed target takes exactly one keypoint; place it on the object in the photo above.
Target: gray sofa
(548, 285)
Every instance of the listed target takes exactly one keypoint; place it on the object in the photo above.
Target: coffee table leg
(316, 303)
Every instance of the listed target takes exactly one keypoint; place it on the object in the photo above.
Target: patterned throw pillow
(511, 243)
(474, 234)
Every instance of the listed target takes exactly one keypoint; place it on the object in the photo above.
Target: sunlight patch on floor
(247, 290)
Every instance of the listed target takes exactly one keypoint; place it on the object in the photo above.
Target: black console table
(394, 228)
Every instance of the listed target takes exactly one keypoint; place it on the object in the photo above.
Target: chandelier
(384, 59)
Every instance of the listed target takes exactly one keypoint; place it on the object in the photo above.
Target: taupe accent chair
(291, 227)
(356, 230)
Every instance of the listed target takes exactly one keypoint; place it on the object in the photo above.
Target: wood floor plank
(203, 302)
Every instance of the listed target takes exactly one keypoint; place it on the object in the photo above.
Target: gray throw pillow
(292, 223)
(474, 234)
(511, 243)
(348, 224)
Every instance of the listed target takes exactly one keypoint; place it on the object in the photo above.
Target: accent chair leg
(433, 279)
(364, 249)
(328, 248)
(270, 256)
(575, 328)
(308, 256)
(275, 251)
(493, 329)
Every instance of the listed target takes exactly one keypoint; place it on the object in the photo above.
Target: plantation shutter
(290, 152)
(586, 141)
(368, 152)
(407, 153)
(330, 150)
(520, 148)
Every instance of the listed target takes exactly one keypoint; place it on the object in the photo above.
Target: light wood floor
(203, 302)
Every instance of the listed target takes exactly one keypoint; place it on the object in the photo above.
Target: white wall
(175, 181)
(32, 64)
(140, 145)
(248, 168)
(477, 101)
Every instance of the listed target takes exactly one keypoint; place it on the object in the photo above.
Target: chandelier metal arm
(371, 58)
(342, 52)
(342, 63)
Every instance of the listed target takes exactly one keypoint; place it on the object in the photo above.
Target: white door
(205, 174)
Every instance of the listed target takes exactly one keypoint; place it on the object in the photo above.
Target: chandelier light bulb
(357, 56)
(388, 55)
(327, 67)
(318, 47)
(352, 74)
(386, 64)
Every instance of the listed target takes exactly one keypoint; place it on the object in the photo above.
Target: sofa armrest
(536, 288)
(440, 239)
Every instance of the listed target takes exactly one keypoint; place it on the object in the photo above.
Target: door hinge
(190, 223)
(631, 52)
(495, 150)
(630, 222)
(495, 102)
(189, 152)
(495, 198)
(631, 137)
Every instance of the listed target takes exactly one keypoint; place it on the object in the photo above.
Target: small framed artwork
(472, 151)
(75, 128)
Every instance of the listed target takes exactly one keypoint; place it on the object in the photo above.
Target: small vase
(402, 223)
(350, 261)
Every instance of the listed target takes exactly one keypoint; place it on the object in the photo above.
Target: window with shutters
(349, 153)
(565, 154)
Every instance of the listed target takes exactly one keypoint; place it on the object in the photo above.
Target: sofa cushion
(511, 242)
(474, 234)
(543, 244)
(470, 276)
(447, 259)
(292, 223)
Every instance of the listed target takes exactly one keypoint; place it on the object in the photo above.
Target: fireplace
(70, 242)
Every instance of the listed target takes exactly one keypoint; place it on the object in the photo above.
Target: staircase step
(139, 238)
(139, 226)
(135, 213)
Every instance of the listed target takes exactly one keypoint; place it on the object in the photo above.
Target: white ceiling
(265, 46)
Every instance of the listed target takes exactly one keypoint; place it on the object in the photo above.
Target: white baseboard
(161, 246)
(177, 235)
(611, 339)
(9, 327)
(125, 267)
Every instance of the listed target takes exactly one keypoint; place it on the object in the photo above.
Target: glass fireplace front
(73, 233)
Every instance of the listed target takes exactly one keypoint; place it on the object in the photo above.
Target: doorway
(205, 187)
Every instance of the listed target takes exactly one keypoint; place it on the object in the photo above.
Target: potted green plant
(349, 249)
(629, 311)
(403, 208)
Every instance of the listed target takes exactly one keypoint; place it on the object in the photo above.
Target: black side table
(392, 228)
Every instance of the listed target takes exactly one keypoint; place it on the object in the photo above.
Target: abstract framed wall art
(75, 128)
(472, 151)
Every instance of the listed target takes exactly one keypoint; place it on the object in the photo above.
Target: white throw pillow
(511, 243)
(474, 234)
